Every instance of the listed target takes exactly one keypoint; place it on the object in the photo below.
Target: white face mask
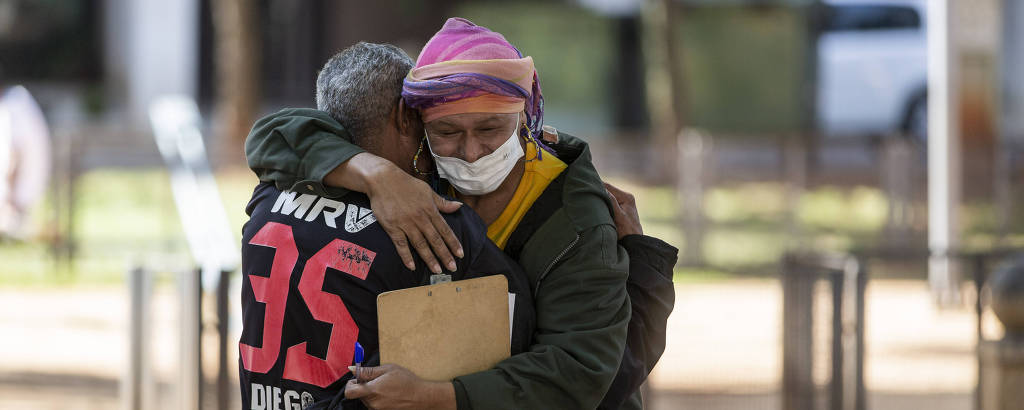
(484, 175)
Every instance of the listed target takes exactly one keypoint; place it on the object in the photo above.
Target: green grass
(746, 223)
(124, 218)
(746, 229)
(733, 204)
(860, 209)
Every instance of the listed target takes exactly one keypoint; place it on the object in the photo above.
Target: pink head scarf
(469, 68)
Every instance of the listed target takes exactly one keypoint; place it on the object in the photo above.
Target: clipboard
(446, 330)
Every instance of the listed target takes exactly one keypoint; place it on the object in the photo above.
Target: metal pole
(797, 336)
(134, 386)
(1011, 125)
(794, 155)
(223, 387)
(943, 150)
(693, 145)
(979, 281)
(191, 376)
(897, 180)
(1002, 180)
(836, 401)
(68, 241)
(860, 403)
(61, 179)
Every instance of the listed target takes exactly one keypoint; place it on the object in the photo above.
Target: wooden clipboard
(446, 330)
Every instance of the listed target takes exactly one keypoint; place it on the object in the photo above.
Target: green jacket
(571, 255)
(295, 148)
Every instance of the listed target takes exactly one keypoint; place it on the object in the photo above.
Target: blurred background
(840, 177)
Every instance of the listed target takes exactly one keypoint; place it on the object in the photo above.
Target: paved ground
(724, 348)
(66, 349)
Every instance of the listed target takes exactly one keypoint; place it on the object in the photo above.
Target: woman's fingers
(422, 247)
(429, 229)
(408, 210)
(449, 237)
(620, 196)
(368, 373)
(355, 390)
(401, 245)
(625, 216)
(445, 205)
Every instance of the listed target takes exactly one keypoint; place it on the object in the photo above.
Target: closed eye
(444, 133)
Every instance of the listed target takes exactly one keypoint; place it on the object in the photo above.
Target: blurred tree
(237, 73)
(666, 74)
(664, 69)
(50, 40)
(573, 50)
(743, 67)
(666, 92)
(628, 95)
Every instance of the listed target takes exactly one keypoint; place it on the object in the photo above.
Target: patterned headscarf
(469, 68)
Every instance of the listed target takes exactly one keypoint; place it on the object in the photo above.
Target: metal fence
(845, 386)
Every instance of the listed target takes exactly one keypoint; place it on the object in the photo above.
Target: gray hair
(360, 86)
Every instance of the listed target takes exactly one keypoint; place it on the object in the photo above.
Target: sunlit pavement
(67, 349)
(724, 348)
(78, 349)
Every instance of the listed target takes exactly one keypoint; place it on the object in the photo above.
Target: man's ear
(405, 117)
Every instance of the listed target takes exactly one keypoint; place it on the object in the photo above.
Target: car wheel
(916, 124)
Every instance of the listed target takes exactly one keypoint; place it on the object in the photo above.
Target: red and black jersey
(312, 269)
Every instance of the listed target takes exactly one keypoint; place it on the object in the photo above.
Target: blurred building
(745, 66)
(101, 62)
(118, 54)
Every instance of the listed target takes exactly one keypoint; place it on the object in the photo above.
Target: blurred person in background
(544, 204)
(24, 160)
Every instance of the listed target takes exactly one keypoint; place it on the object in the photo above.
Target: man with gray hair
(357, 87)
(314, 260)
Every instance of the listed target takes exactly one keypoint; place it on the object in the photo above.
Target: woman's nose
(474, 150)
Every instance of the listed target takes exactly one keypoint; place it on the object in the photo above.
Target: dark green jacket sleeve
(651, 297)
(296, 148)
(582, 313)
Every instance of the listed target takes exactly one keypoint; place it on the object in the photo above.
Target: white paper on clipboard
(511, 311)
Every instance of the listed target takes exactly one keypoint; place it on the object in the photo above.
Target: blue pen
(359, 360)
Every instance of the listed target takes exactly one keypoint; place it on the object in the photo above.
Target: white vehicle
(872, 68)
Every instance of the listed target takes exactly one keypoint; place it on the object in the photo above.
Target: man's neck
(395, 156)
